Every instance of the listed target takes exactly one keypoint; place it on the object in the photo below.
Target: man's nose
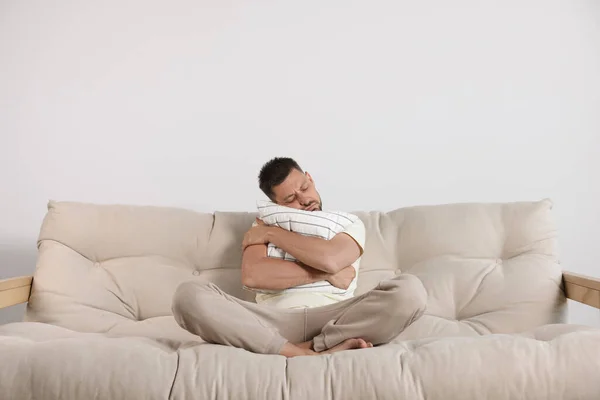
(303, 200)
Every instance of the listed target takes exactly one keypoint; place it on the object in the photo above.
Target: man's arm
(329, 256)
(262, 272)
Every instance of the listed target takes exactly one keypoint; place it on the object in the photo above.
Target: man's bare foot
(349, 344)
(306, 345)
(294, 350)
(305, 348)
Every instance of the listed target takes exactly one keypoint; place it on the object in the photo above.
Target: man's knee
(192, 297)
(407, 292)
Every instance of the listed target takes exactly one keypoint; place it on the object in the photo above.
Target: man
(304, 323)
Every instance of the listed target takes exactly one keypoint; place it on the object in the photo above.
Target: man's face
(298, 191)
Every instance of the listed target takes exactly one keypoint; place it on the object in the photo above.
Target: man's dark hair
(274, 172)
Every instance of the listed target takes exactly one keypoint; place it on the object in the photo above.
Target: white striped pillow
(322, 224)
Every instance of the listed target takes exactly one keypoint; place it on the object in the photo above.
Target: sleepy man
(304, 321)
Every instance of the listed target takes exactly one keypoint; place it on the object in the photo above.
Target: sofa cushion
(486, 367)
(40, 361)
(487, 268)
(550, 362)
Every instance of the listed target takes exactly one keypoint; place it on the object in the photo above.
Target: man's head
(284, 182)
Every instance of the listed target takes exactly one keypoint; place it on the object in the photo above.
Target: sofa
(98, 322)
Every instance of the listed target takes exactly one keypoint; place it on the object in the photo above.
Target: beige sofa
(99, 325)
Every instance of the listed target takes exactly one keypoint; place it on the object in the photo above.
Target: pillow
(321, 224)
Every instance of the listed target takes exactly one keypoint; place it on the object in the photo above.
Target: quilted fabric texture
(106, 275)
(52, 363)
(487, 268)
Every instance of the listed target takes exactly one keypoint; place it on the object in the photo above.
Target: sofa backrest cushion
(486, 267)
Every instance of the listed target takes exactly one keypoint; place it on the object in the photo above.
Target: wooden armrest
(15, 290)
(583, 289)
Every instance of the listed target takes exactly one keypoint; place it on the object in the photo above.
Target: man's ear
(309, 176)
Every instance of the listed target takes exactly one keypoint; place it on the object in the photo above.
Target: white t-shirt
(306, 298)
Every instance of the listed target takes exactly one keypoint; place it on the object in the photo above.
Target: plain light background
(386, 103)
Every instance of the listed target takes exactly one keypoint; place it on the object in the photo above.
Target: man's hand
(258, 234)
(329, 256)
(343, 278)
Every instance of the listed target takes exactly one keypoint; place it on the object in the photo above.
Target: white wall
(387, 104)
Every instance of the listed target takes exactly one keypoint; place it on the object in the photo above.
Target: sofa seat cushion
(162, 330)
(552, 361)
(497, 366)
(41, 361)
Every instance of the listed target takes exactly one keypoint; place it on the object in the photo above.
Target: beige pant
(376, 316)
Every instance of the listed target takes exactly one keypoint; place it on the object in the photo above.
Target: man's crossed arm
(317, 259)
